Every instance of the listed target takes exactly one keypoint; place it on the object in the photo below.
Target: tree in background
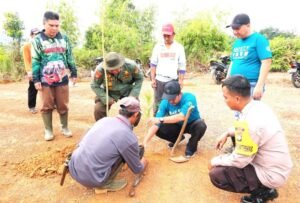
(271, 33)
(126, 30)
(202, 40)
(14, 26)
(68, 20)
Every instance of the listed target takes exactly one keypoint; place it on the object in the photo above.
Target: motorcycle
(219, 69)
(146, 71)
(295, 71)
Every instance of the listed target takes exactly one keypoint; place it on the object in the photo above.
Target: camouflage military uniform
(127, 83)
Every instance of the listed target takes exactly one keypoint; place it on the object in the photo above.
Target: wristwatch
(161, 120)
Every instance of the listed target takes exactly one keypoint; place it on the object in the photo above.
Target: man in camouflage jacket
(124, 79)
(51, 60)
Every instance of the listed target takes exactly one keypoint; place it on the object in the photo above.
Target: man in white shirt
(168, 63)
(261, 161)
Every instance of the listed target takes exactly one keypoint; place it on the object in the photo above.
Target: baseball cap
(113, 61)
(131, 104)
(168, 29)
(239, 20)
(171, 90)
(34, 31)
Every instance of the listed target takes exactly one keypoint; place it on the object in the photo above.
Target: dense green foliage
(284, 51)
(5, 62)
(85, 58)
(13, 26)
(202, 40)
(125, 29)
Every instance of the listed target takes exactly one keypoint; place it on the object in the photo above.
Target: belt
(166, 77)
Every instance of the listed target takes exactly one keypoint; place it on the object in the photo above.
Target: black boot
(260, 195)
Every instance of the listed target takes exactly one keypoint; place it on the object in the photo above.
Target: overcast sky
(284, 15)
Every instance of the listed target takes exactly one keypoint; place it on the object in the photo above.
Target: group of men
(260, 161)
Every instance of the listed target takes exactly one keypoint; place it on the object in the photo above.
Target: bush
(202, 38)
(284, 51)
(85, 58)
(5, 61)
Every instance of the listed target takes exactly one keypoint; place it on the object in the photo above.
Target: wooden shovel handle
(182, 129)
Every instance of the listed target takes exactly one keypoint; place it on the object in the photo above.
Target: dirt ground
(30, 168)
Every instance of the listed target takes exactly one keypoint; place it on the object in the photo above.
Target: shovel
(181, 159)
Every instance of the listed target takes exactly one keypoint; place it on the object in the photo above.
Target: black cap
(239, 20)
(171, 90)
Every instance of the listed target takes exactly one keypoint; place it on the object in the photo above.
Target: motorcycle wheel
(215, 77)
(296, 79)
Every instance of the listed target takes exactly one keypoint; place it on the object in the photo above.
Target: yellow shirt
(27, 56)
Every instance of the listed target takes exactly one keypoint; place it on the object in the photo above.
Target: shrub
(5, 61)
(284, 51)
(85, 58)
(202, 38)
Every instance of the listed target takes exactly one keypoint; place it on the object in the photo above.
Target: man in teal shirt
(251, 55)
(171, 112)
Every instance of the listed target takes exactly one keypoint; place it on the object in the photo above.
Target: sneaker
(171, 144)
(66, 132)
(32, 110)
(262, 196)
(48, 135)
(113, 186)
(189, 153)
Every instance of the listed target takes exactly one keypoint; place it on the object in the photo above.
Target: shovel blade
(179, 159)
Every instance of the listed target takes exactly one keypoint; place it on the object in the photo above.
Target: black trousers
(170, 132)
(32, 92)
(241, 180)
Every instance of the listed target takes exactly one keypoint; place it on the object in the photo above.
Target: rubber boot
(64, 125)
(47, 118)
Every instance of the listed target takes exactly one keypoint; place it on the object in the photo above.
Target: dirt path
(30, 167)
